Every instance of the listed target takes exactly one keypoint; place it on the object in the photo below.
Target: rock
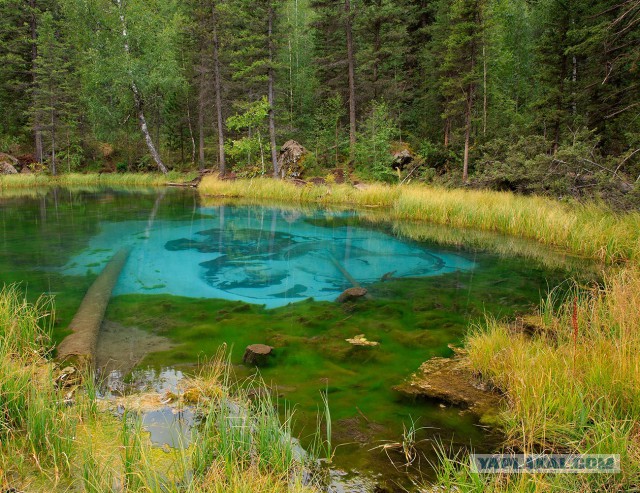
(291, 159)
(402, 158)
(361, 340)
(8, 164)
(351, 294)
(7, 158)
(450, 380)
(257, 355)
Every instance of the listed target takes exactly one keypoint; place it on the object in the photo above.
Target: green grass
(31, 181)
(589, 230)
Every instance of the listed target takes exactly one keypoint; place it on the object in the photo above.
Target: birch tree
(130, 49)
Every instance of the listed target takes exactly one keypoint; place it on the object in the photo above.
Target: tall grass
(589, 230)
(572, 387)
(242, 432)
(378, 195)
(8, 182)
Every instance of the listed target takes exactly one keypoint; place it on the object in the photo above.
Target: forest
(534, 96)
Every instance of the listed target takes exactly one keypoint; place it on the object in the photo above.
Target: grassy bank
(571, 387)
(26, 181)
(58, 437)
(588, 230)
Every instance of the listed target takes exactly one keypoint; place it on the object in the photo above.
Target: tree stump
(257, 355)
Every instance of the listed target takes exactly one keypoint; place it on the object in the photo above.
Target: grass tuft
(567, 390)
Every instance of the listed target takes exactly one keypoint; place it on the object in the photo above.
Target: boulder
(402, 159)
(351, 294)
(450, 380)
(290, 161)
(257, 355)
(8, 164)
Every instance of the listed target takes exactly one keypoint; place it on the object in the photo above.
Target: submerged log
(81, 344)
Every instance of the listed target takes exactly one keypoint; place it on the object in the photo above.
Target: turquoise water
(259, 256)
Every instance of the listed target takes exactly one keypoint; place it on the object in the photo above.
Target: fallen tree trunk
(81, 344)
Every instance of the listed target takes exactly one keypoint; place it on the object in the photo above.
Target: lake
(202, 273)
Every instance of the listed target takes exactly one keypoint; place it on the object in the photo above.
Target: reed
(48, 443)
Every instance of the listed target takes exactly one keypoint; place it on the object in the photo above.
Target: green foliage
(438, 158)
(495, 71)
(373, 149)
(250, 151)
(103, 31)
(331, 139)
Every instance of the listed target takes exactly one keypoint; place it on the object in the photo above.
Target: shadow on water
(203, 275)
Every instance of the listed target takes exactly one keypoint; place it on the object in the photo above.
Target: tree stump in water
(257, 354)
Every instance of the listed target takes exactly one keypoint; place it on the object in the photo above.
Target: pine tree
(460, 72)
(254, 58)
(383, 43)
(336, 56)
(53, 90)
(296, 67)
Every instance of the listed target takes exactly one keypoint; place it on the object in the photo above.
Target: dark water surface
(206, 274)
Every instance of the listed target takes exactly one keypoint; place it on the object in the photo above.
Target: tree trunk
(37, 127)
(191, 137)
(467, 132)
(484, 89)
(201, 98)
(271, 96)
(447, 130)
(377, 45)
(145, 129)
(352, 79)
(218, 90)
(53, 144)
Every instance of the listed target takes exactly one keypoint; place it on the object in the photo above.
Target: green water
(207, 275)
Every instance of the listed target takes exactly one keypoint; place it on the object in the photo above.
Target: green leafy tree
(329, 133)
(460, 74)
